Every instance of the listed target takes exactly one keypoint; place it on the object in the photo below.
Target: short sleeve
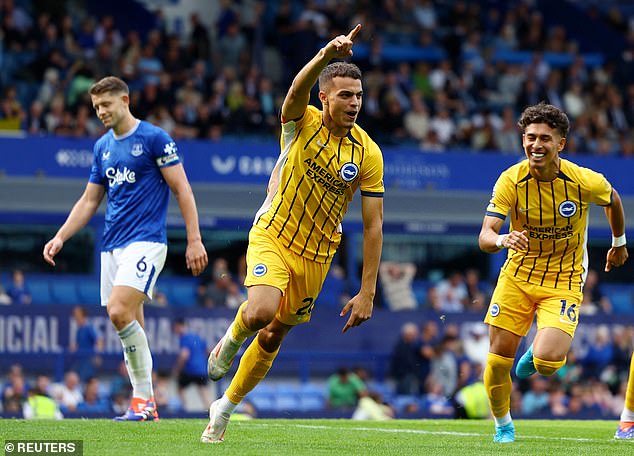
(372, 173)
(501, 198)
(164, 150)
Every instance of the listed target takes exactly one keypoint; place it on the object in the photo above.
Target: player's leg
(122, 311)
(626, 424)
(498, 383)
(254, 365)
(138, 267)
(255, 313)
(509, 317)
(557, 319)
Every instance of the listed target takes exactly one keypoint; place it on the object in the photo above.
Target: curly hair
(338, 69)
(545, 113)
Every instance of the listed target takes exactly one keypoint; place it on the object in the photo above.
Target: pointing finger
(353, 32)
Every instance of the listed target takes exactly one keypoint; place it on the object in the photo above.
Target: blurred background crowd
(438, 75)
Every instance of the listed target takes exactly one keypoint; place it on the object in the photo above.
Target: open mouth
(352, 114)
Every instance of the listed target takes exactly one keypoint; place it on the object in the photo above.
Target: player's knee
(257, 317)
(547, 368)
(119, 315)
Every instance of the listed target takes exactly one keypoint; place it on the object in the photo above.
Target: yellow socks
(239, 331)
(497, 381)
(254, 366)
(629, 395)
(547, 368)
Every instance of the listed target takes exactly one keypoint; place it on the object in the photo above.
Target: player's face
(542, 145)
(343, 103)
(110, 108)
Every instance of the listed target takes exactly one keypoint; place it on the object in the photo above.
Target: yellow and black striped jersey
(555, 217)
(313, 182)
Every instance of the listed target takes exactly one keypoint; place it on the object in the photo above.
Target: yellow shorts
(514, 304)
(299, 279)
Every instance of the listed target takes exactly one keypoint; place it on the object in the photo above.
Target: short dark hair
(338, 69)
(545, 113)
(109, 84)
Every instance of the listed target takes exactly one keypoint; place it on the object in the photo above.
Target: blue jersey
(196, 364)
(129, 167)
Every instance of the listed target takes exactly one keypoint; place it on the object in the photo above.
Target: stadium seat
(262, 401)
(180, 294)
(403, 400)
(311, 402)
(40, 291)
(88, 291)
(64, 292)
(287, 402)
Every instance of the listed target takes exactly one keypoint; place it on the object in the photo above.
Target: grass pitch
(327, 437)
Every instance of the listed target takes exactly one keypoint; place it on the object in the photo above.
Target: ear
(323, 97)
(562, 143)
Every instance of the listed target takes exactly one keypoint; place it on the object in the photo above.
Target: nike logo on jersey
(524, 209)
(321, 144)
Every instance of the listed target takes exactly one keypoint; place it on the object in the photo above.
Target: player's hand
(616, 257)
(361, 307)
(51, 249)
(196, 257)
(340, 47)
(516, 240)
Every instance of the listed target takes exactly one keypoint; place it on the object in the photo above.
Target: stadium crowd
(451, 74)
(438, 75)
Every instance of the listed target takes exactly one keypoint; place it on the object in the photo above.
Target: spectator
(39, 406)
(92, 402)
(594, 300)
(476, 343)
(68, 394)
(191, 364)
(14, 391)
(452, 293)
(372, 407)
(599, 353)
(5, 299)
(85, 345)
(406, 360)
(18, 290)
(221, 290)
(345, 389)
(444, 366)
(477, 297)
(396, 282)
(536, 398)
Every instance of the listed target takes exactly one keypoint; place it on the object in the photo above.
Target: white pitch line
(419, 431)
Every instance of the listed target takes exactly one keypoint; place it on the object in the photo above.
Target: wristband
(619, 241)
(499, 241)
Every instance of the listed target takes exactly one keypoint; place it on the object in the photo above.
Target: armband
(619, 241)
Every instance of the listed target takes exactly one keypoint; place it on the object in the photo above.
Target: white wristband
(619, 241)
(499, 241)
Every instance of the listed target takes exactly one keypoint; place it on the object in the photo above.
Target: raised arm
(298, 95)
(195, 255)
(80, 214)
(617, 255)
(361, 304)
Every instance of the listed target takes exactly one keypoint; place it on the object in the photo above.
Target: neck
(126, 124)
(548, 173)
(335, 130)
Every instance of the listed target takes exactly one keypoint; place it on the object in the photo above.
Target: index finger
(353, 32)
(345, 328)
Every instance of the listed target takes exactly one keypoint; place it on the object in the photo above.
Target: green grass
(325, 437)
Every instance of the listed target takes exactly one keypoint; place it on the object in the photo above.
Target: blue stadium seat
(287, 402)
(180, 294)
(403, 400)
(311, 402)
(64, 292)
(40, 291)
(88, 291)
